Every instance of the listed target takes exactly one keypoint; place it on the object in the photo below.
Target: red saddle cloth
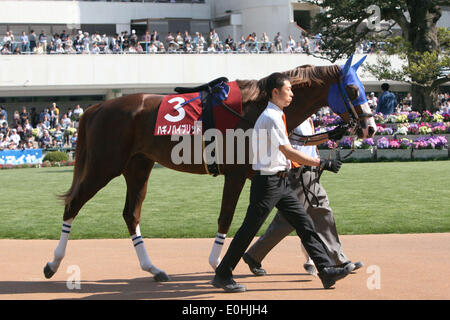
(180, 114)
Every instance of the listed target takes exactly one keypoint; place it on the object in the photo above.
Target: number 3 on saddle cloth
(194, 113)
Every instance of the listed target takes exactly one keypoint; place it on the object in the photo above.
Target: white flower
(402, 130)
(391, 119)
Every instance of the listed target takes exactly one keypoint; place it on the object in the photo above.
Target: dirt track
(413, 266)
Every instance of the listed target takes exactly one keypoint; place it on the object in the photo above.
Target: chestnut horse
(117, 137)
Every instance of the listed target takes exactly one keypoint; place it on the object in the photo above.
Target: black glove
(337, 133)
(332, 165)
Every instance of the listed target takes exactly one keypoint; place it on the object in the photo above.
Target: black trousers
(267, 192)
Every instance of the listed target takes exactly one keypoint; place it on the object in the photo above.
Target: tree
(345, 23)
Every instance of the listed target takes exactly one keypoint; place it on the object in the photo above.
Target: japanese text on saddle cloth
(179, 114)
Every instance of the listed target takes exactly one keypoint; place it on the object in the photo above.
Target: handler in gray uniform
(303, 180)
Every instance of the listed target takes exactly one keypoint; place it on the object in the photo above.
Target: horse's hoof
(214, 264)
(48, 272)
(161, 277)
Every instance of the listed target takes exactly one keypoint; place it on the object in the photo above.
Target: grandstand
(37, 80)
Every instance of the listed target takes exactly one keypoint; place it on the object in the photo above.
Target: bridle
(356, 121)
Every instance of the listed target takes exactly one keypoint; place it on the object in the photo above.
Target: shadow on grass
(181, 286)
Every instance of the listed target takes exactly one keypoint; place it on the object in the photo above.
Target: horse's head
(348, 99)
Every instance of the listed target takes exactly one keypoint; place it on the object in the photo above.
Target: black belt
(281, 174)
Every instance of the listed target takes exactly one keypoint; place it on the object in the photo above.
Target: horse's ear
(347, 65)
(356, 65)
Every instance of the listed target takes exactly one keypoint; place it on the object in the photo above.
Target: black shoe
(330, 275)
(358, 265)
(254, 266)
(351, 265)
(229, 285)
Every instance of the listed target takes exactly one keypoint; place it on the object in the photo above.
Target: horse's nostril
(371, 131)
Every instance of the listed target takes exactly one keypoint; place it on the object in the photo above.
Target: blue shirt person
(3, 112)
(387, 101)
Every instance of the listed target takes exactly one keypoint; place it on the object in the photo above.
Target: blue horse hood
(349, 77)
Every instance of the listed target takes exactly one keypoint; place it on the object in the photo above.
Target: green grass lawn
(388, 197)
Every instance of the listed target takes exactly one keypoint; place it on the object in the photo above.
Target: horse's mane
(302, 76)
(311, 76)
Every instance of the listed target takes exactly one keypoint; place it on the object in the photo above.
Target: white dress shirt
(268, 135)
(304, 129)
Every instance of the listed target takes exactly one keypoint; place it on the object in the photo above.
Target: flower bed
(386, 147)
(389, 148)
(422, 128)
(435, 142)
(45, 164)
(360, 149)
(403, 123)
(412, 117)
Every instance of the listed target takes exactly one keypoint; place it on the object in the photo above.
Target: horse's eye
(352, 91)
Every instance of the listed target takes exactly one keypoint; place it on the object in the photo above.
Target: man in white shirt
(14, 137)
(313, 196)
(77, 112)
(270, 187)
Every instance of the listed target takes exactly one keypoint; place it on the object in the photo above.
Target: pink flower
(394, 144)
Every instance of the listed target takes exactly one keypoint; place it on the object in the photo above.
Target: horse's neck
(252, 110)
(254, 100)
(306, 102)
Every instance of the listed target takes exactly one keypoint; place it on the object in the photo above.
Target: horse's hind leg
(95, 180)
(136, 175)
(234, 182)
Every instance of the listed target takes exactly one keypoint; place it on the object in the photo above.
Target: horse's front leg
(136, 175)
(234, 182)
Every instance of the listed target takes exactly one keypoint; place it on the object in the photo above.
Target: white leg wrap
(214, 257)
(141, 252)
(60, 250)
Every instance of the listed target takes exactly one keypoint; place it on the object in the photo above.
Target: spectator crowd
(151, 42)
(46, 129)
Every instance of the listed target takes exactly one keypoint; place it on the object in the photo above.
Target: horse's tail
(80, 160)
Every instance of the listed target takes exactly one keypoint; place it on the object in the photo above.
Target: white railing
(63, 74)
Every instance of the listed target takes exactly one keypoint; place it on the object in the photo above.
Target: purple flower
(421, 143)
(383, 143)
(330, 144)
(438, 142)
(346, 143)
(413, 116)
(367, 143)
(388, 131)
(394, 144)
(437, 124)
(404, 143)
